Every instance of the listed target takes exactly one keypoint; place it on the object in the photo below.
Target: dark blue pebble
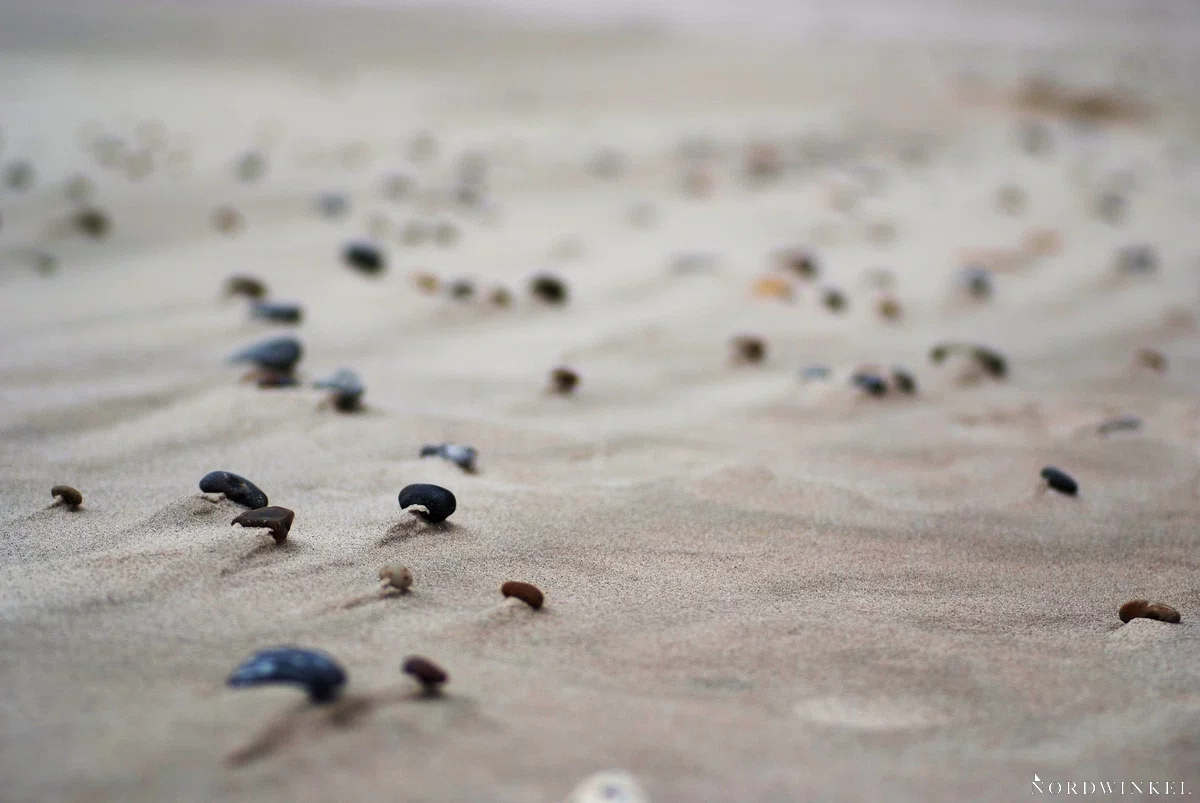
(365, 258)
(870, 383)
(277, 311)
(277, 354)
(236, 489)
(316, 671)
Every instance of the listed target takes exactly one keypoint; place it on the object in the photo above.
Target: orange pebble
(773, 287)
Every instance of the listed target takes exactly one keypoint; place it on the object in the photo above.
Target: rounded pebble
(366, 258)
(277, 311)
(426, 672)
(394, 576)
(528, 593)
(1144, 609)
(248, 286)
(275, 354)
(67, 495)
(563, 380)
(460, 455)
(346, 390)
(438, 502)
(1060, 481)
(547, 288)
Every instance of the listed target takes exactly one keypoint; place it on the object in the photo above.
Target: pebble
(1118, 424)
(1144, 609)
(248, 286)
(274, 354)
(976, 282)
(277, 311)
(834, 299)
(461, 289)
(93, 222)
(1153, 359)
(19, 175)
(364, 257)
(904, 381)
(276, 519)
(67, 495)
(610, 786)
(427, 673)
(226, 220)
(1060, 481)
(346, 390)
(548, 288)
(748, 349)
(317, 672)
(1139, 259)
(801, 263)
(462, 456)
(870, 383)
(811, 373)
(1111, 206)
(399, 578)
(398, 186)
(993, 363)
(332, 204)
(426, 282)
(1011, 199)
(501, 297)
(438, 502)
(563, 380)
(889, 308)
(251, 166)
(528, 593)
(445, 234)
(236, 489)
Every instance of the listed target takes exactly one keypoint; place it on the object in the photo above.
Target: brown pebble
(889, 308)
(68, 495)
(748, 349)
(397, 577)
(528, 593)
(276, 519)
(426, 672)
(226, 220)
(426, 282)
(801, 263)
(501, 297)
(1153, 359)
(247, 286)
(1144, 609)
(563, 380)
(461, 289)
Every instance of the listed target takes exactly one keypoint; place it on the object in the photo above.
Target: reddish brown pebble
(748, 349)
(276, 519)
(802, 263)
(426, 672)
(528, 593)
(1144, 609)
(68, 495)
(563, 380)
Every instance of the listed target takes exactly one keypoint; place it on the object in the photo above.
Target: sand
(758, 587)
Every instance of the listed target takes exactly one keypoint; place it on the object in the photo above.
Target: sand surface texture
(759, 585)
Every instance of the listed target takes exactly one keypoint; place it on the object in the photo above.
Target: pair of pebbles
(877, 383)
(238, 489)
(275, 361)
(255, 290)
(990, 362)
(319, 674)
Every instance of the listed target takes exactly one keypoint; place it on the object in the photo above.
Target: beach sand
(759, 587)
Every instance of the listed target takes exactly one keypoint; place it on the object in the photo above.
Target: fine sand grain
(759, 586)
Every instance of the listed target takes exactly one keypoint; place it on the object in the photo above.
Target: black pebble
(236, 489)
(275, 354)
(550, 289)
(870, 383)
(1138, 259)
(1060, 481)
(904, 381)
(277, 311)
(438, 501)
(316, 671)
(365, 258)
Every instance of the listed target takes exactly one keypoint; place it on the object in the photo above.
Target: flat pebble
(528, 593)
(316, 672)
(365, 257)
(1060, 481)
(236, 488)
(277, 311)
(276, 519)
(276, 354)
(431, 676)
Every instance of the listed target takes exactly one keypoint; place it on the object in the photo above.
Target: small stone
(904, 381)
(431, 676)
(396, 577)
(19, 175)
(227, 220)
(773, 287)
(461, 289)
(414, 233)
(501, 297)
(748, 349)
(870, 383)
(275, 354)
(346, 390)
(889, 308)
(1153, 359)
(1144, 609)
(93, 222)
(528, 593)
(248, 286)
(1118, 424)
(365, 257)
(563, 380)
(398, 186)
(801, 263)
(976, 282)
(276, 519)
(462, 456)
(438, 502)
(445, 234)
(332, 205)
(79, 189)
(317, 672)
(251, 166)
(834, 299)
(277, 311)
(1137, 260)
(235, 488)
(548, 288)
(1110, 207)
(67, 495)
(1011, 199)
(812, 373)
(1060, 481)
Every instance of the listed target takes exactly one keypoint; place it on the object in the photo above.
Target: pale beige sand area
(758, 588)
